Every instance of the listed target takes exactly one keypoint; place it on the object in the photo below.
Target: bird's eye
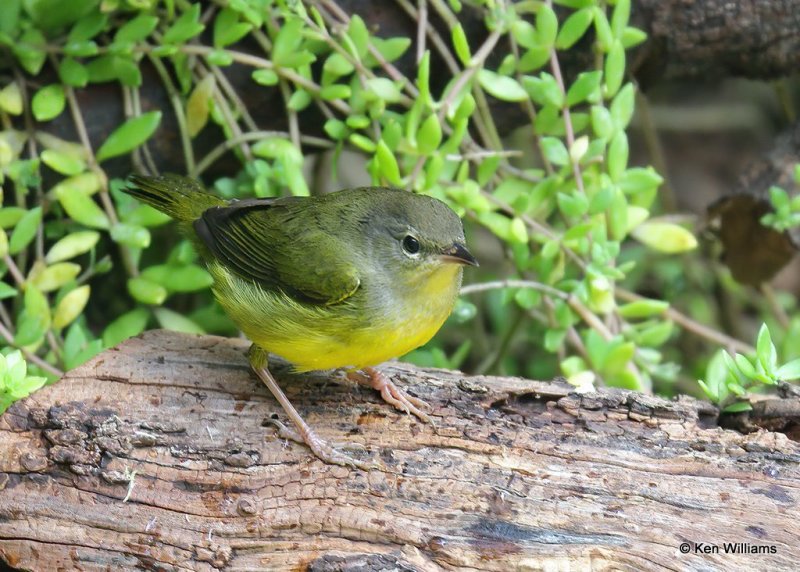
(410, 244)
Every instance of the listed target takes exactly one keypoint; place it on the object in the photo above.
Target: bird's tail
(182, 198)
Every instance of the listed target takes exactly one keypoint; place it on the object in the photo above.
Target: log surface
(153, 456)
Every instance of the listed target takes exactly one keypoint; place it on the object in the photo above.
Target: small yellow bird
(344, 280)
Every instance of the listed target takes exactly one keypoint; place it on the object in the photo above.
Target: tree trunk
(154, 455)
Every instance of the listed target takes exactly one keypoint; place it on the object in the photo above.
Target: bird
(345, 280)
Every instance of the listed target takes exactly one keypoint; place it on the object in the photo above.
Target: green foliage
(15, 383)
(730, 379)
(786, 210)
(81, 270)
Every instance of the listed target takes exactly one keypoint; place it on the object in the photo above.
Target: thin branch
(477, 61)
(422, 26)
(586, 315)
(177, 107)
(229, 144)
(692, 326)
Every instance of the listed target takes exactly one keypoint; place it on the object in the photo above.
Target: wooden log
(154, 456)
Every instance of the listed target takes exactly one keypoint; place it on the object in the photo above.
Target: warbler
(347, 280)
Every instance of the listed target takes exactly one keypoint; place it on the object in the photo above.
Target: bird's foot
(302, 433)
(321, 448)
(391, 393)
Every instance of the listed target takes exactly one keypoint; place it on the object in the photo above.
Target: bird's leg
(391, 393)
(304, 433)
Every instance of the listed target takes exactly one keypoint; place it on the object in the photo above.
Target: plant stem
(692, 326)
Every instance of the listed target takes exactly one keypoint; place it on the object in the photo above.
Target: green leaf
(517, 231)
(7, 291)
(387, 163)
(87, 27)
(637, 180)
(335, 91)
(335, 129)
(228, 29)
(546, 25)
(390, 48)
(534, 59)
(745, 366)
(655, 335)
(361, 142)
(602, 124)
(502, 87)
(25, 230)
(73, 73)
(34, 320)
(359, 36)
(82, 208)
(71, 306)
(137, 29)
(10, 216)
(384, 89)
(765, 350)
(30, 51)
(664, 237)
(198, 106)
(574, 28)
(72, 245)
(126, 326)
(127, 71)
(220, 58)
(11, 99)
(336, 66)
(617, 216)
(129, 135)
(185, 28)
(789, 371)
(130, 235)
(602, 29)
(572, 205)
(184, 278)
(65, 163)
(48, 102)
(623, 105)
(429, 135)
(544, 90)
(81, 49)
(555, 151)
(620, 17)
(146, 292)
(461, 44)
(614, 68)
(299, 100)
(524, 34)
(632, 37)
(586, 87)
(738, 407)
(54, 277)
(617, 157)
(288, 41)
(9, 19)
(3, 243)
(265, 77)
(174, 321)
(528, 298)
(643, 309)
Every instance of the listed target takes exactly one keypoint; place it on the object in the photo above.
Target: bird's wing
(278, 244)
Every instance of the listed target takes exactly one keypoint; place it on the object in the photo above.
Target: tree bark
(154, 455)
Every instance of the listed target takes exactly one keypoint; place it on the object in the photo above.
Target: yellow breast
(343, 335)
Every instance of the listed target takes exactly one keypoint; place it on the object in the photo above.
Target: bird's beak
(458, 254)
